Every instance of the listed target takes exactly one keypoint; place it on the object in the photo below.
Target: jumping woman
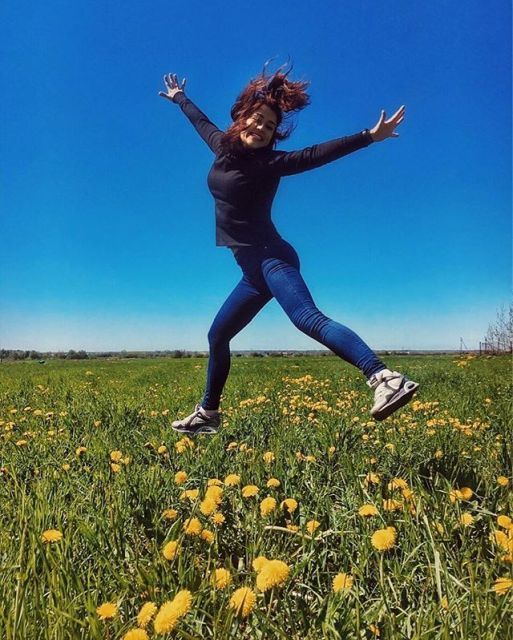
(244, 179)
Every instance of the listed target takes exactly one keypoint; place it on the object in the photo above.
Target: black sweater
(244, 185)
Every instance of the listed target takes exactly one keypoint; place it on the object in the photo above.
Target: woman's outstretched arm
(207, 129)
(286, 163)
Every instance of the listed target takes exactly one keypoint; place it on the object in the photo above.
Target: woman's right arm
(207, 130)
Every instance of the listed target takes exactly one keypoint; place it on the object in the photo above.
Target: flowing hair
(277, 92)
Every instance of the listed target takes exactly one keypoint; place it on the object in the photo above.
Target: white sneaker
(391, 391)
(198, 422)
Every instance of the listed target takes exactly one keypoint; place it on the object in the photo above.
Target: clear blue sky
(106, 219)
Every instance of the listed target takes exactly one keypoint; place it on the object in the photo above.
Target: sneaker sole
(208, 431)
(403, 396)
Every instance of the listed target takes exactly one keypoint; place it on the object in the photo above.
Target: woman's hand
(385, 128)
(172, 86)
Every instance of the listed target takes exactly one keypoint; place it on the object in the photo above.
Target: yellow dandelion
(466, 519)
(289, 504)
(267, 506)
(384, 539)
(243, 600)
(115, 456)
(51, 535)
(171, 611)
(292, 527)
(221, 578)
(503, 481)
(214, 482)
(372, 478)
(392, 505)
(273, 483)
(169, 514)
(367, 510)
(466, 493)
(189, 494)
(115, 467)
(146, 613)
(342, 582)
(274, 573)
(444, 603)
(80, 451)
(374, 629)
(136, 634)
(397, 483)
(231, 480)
(192, 527)
(218, 518)
(107, 611)
(171, 550)
(208, 506)
(268, 457)
(312, 526)
(207, 535)
(258, 563)
(231, 446)
(505, 522)
(162, 449)
(249, 491)
(180, 477)
(214, 493)
(502, 585)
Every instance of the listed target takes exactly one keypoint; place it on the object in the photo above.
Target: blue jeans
(272, 270)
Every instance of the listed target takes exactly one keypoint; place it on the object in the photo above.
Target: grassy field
(326, 524)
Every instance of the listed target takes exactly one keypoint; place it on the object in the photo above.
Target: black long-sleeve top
(244, 185)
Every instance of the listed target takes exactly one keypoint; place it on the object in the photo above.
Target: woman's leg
(241, 306)
(285, 282)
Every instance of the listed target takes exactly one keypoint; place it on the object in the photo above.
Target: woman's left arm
(286, 163)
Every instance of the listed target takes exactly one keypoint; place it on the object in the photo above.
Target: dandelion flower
(267, 506)
(162, 449)
(384, 539)
(222, 578)
(115, 456)
(146, 613)
(208, 506)
(214, 482)
(392, 505)
(171, 550)
(192, 527)
(214, 493)
(367, 510)
(312, 526)
(51, 535)
(268, 457)
(273, 483)
(374, 629)
(243, 600)
(502, 481)
(502, 585)
(289, 504)
(466, 519)
(115, 467)
(397, 483)
(273, 574)
(107, 611)
(180, 477)
(232, 480)
(171, 611)
(207, 535)
(259, 562)
(372, 478)
(249, 491)
(136, 634)
(342, 582)
(218, 518)
(169, 514)
(505, 522)
(80, 451)
(189, 494)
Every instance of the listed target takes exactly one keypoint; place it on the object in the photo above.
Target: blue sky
(106, 218)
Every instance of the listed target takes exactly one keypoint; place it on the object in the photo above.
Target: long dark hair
(277, 92)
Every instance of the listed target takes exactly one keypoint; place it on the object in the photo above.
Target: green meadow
(325, 523)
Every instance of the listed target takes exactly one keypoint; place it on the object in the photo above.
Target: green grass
(312, 413)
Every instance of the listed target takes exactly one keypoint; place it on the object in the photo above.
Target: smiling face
(261, 126)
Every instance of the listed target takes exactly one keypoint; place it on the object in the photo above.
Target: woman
(243, 180)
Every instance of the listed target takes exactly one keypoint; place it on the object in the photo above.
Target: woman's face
(261, 126)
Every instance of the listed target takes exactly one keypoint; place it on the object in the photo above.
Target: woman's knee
(309, 320)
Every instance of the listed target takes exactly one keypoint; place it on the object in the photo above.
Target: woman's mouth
(255, 135)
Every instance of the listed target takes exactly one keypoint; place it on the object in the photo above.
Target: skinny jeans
(273, 271)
